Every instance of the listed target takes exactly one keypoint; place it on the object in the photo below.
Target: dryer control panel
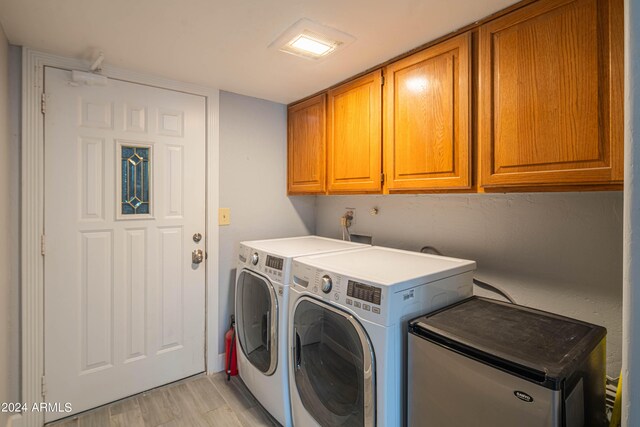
(383, 304)
(272, 266)
(367, 300)
(364, 292)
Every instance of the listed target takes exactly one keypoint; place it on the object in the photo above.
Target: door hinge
(382, 178)
(382, 81)
(42, 245)
(43, 383)
(43, 103)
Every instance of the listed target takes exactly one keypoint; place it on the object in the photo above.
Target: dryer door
(257, 320)
(333, 365)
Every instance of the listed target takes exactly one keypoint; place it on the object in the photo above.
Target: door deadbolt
(197, 237)
(197, 256)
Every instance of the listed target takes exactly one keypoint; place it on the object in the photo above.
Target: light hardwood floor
(200, 401)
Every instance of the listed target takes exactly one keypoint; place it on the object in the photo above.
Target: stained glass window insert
(135, 180)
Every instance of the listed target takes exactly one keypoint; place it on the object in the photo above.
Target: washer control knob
(326, 284)
(255, 258)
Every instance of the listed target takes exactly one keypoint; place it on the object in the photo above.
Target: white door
(124, 196)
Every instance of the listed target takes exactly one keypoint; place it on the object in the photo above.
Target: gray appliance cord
(479, 283)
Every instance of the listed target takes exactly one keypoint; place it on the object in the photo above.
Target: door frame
(32, 242)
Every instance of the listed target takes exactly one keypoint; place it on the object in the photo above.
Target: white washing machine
(261, 307)
(348, 328)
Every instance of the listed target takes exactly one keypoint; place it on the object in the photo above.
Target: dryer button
(366, 307)
(336, 296)
(349, 301)
(356, 304)
(376, 310)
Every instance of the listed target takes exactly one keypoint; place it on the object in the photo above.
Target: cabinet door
(427, 118)
(306, 146)
(355, 135)
(551, 95)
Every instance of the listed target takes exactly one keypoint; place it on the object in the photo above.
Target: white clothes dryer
(348, 326)
(261, 307)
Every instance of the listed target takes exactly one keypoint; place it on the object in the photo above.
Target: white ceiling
(224, 44)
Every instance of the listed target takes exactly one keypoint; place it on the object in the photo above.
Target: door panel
(354, 124)
(427, 127)
(333, 366)
(307, 146)
(92, 178)
(551, 94)
(171, 287)
(257, 311)
(124, 305)
(96, 300)
(136, 295)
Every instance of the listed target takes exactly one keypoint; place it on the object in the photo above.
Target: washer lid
(386, 266)
(300, 246)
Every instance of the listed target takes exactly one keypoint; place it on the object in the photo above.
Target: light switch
(224, 216)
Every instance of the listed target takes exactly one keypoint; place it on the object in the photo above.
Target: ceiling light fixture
(309, 44)
(311, 40)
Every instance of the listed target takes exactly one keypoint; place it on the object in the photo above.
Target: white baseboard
(218, 366)
(15, 420)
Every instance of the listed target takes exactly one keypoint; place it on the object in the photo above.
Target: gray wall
(253, 147)
(15, 105)
(631, 309)
(560, 252)
(5, 229)
(9, 248)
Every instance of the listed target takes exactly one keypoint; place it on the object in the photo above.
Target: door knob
(197, 256)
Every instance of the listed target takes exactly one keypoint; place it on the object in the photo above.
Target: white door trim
(32, 190)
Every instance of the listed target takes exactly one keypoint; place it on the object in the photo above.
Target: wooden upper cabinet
(427, 102)
(354, 135)
(306, 146)
(551, 95)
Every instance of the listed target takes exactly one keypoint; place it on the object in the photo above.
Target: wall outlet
(224, 216)
(353, 214)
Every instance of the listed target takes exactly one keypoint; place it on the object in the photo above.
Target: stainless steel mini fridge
(484, 363)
